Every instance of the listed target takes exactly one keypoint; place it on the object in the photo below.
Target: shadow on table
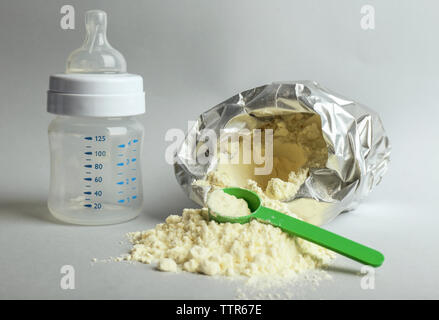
(26, 210)
(155, 209)
(345, 270)
(158, 209)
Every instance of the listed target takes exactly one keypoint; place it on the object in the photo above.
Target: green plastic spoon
(296, 227)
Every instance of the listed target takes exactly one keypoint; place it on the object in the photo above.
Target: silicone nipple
(96, 55)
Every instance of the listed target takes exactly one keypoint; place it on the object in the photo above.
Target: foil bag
(358, 147)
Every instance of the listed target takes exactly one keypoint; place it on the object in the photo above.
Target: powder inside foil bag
(298, 145)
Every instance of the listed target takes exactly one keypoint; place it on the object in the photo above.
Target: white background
(194, 54)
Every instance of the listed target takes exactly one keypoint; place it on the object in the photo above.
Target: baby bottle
(95, 139)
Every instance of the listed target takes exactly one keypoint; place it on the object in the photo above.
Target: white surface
(193, 55)
(37, 247)
(96, 95)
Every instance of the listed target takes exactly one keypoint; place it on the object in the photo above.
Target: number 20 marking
(97, 206)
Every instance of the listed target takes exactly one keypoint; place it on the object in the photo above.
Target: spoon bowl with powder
(237, 205)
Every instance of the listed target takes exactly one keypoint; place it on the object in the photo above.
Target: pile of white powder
(225, 204)
(192, 243)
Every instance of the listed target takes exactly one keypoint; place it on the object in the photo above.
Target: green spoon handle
(322, 237)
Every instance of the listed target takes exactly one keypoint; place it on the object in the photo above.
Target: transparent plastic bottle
(95, 140)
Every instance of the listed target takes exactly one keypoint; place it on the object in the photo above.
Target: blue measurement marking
(87, 205)
(88, 146)
(133, 159)
(87, 192)
(120, 192)
(134, 197)
(88, 172)
(88, 138)
(120, 182)
(129, 142)
(121, 201)
(88, 153)
(120, 155)
(88, 159)
(88, 166)
(121, 146)
(87, 179)
(135, 140)
(120, 164)
(133, 179)
(88, 186)
(87, 199)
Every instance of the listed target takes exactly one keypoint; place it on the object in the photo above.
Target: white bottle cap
(96, 83)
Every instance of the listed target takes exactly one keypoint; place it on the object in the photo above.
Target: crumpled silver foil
(358, 147)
